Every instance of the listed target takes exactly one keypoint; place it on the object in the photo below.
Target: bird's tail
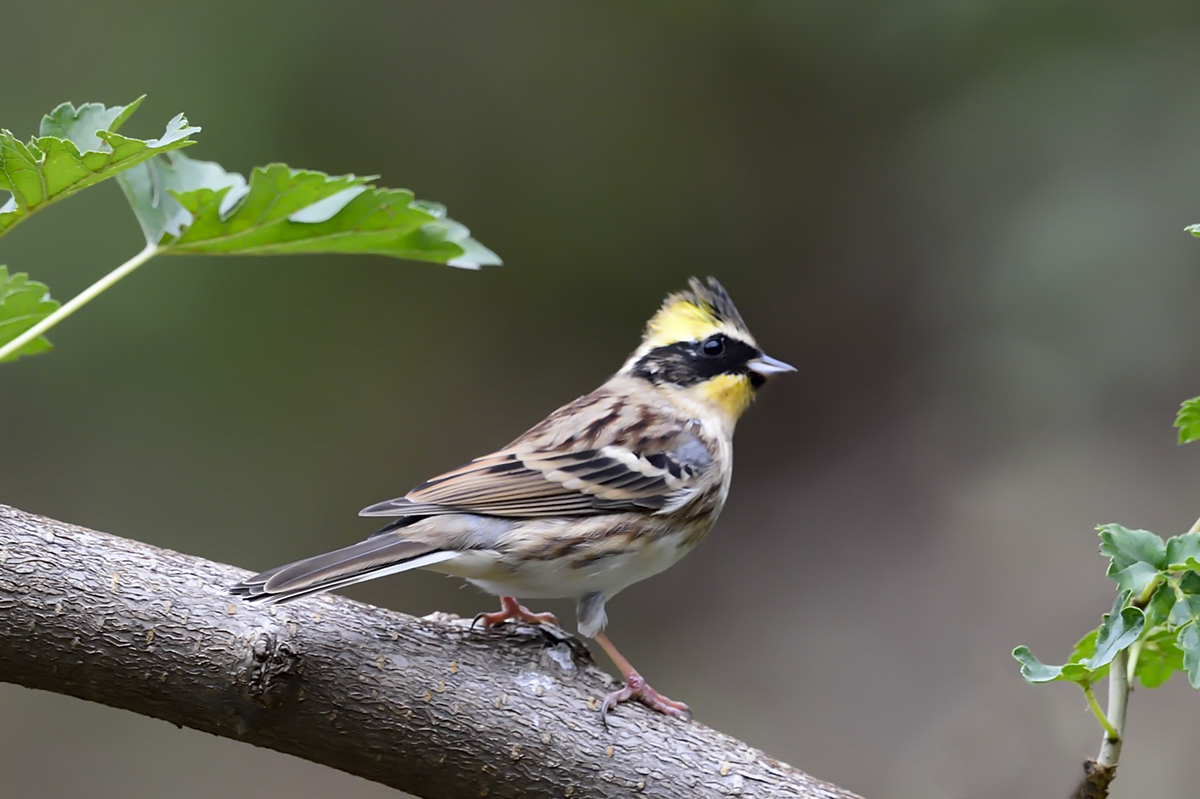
(366, 560)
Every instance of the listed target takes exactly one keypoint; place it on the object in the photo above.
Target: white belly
(552, 579)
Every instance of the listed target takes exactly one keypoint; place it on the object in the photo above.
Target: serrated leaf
(1159, 658)
(1189, 642)
(1183, 548)
(1118, 631)
(1188, 418)
(81, 125)
(149, 188)
(1137, 556)
(196, 207)
(23, 303)
(1127, 547)
(76, 148)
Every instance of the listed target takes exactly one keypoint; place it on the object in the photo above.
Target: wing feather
(599, 454)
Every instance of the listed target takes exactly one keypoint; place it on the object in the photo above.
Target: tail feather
(366, 560)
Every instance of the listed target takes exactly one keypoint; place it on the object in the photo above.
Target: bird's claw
(513, 610)
(636, 689)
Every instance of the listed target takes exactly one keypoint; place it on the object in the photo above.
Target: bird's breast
(570, 558)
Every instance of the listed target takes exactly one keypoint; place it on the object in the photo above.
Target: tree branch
(425, 705)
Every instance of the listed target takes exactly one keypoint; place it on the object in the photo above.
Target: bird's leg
(635, 687)
(510, 608)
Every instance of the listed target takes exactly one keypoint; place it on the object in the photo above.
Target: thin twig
(1118, 700)
(79, 300)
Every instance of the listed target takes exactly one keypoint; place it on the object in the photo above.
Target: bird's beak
(767, 366)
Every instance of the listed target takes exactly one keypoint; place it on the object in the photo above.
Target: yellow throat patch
(732, 394)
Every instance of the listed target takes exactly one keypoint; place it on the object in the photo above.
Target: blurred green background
(963, 222)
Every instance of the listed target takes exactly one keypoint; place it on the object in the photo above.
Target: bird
(611, 488)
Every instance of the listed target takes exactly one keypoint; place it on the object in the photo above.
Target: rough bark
(1095, 782)
(426, 705)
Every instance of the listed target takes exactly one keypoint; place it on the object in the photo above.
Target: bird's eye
(714, 346)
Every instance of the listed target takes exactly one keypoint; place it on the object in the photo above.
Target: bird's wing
(600, 454)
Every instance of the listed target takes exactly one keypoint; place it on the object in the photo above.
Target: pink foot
(510, 608)
(636, 689)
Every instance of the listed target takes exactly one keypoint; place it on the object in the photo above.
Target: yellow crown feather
(695, 314)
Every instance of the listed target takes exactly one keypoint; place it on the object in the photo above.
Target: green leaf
(196, 207)
(23, 303)
(1187, 601)
(150, 187)
(1135, 577)
(1080, 674)
(1093, 652)
(1035, 671)
(1137, 556)
(1183, 548)
(1189, 642)
(1127, 547)
(76, 148)
(1085, 647)
(1159, 658)
(1188, 418)
(81, 125)
(1118, 631)
(1158, 609)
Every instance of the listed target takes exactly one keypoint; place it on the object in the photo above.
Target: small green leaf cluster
(75, 148)
(1156, 616)
(23, 303)
(186, 207)
(1188, 420)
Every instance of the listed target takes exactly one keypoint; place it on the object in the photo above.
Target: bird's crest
(695, 314)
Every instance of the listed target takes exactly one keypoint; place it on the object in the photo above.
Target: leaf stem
(1099, 713)
(1118, 699)
(1135, 652)
(1147, 594)
(80, 300)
